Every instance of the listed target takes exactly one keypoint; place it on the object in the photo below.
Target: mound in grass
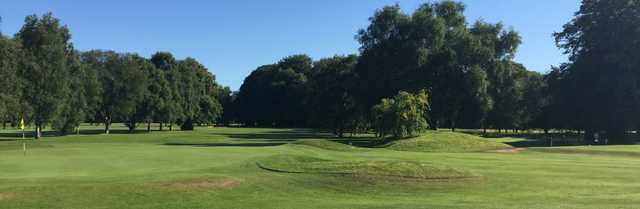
(437, 141)
(400, 169)
(326, 144)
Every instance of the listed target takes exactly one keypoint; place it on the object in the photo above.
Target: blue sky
(233, 37)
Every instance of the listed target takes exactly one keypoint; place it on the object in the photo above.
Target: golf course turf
(296, 168)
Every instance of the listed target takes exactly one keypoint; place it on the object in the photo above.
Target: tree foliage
(403, 115)
(275, 95)
(331, 98)
(45, 53)
(11, 83)
(598, 87)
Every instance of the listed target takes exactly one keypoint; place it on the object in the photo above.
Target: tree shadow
(533, 139)
(365, 142)
(284, 135)
(264, 144)
(17, 135)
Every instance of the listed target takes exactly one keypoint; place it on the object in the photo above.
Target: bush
(403, 115)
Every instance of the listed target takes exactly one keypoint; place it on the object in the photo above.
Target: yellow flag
(22, 124)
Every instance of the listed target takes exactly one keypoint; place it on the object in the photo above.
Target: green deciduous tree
(331, 102)
(275, 95)
(403, 115)
(157, 98)
(81, 100)
(44, 67)
(601, 78)
(172, 110)
(10, 110)
(227, 100)
(433, 49)
(123, 81)
(198, 89)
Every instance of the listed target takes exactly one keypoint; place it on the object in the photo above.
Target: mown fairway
(217, 168)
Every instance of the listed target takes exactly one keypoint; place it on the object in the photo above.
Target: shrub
(403, 115)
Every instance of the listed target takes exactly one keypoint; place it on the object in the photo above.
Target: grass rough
(373, 168)
(327, 145)
(441, 141)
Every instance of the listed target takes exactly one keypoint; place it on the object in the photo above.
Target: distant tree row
(44, 80)
(467, 71)
(431, 62)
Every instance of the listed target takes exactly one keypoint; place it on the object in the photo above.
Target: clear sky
(233, 37)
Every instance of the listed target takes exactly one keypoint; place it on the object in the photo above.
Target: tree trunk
(588, 136)
(38, 132)
(170, 126)
(161, 125)
(149, 126)
(78, 130)
(4, 124)
(107, 125)
(433, 124)
(187, 125)
(131, 126)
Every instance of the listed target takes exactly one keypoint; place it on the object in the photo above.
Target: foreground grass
(216, 168)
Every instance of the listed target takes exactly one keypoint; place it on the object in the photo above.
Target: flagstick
(24, 144)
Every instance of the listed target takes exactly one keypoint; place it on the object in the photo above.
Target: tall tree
(123, 83)
(506, 90)
(331, 98)
(44, 67)
(432, 49)
(227, 100)
(82, 99)
(275, 95)
(157, 98)
(140, 70)
(602, 44)
(172, 110)
(210, 108)
(10, 92)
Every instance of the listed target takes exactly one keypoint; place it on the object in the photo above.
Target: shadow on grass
(29, 134)
(285, 135)
(265, 144)
(539, 139)
(365, 142)
(268, 136)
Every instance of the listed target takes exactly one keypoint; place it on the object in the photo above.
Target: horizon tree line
(49, 83)
(466, 72)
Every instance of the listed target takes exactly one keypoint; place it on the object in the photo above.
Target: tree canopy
(47, 82)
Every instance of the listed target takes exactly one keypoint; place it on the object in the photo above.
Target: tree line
(468, 72)
(429, 68)
(47, 82)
